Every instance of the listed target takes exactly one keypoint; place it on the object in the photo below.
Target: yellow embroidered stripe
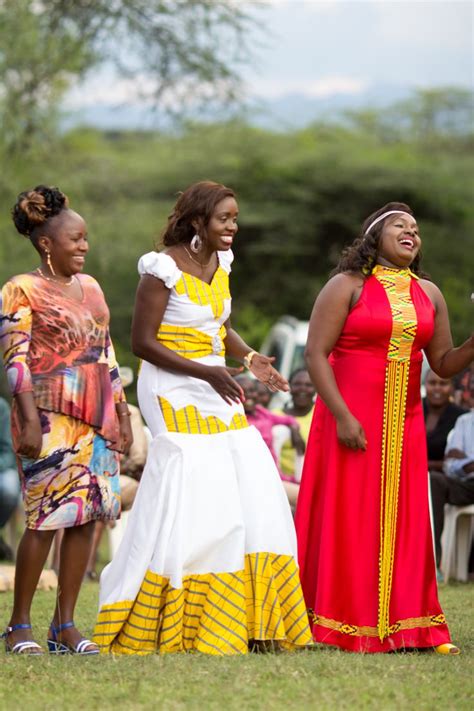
(212, 613)
(188, 420)
(355, 631)
(191, 343)
(204, 294)
(397, 284)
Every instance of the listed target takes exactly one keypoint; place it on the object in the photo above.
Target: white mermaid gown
(208, 559)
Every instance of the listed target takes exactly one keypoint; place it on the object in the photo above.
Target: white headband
(384, 215)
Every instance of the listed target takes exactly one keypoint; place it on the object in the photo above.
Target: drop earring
(196, 244)
(48, 260)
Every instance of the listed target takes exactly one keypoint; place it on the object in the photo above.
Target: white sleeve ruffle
(225, 260)
(161, 266)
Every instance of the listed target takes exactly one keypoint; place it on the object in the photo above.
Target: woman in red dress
(364, 534)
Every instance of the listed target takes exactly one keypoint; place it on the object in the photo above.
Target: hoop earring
(196, 244)
(48, 260)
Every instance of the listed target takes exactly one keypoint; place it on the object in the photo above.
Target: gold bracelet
(249, 358)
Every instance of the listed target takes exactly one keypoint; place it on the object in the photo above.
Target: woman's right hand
(31, 439)
(221, 379)
(351, 433)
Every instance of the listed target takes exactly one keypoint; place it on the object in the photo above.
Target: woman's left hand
(126, 435)
(261, 366)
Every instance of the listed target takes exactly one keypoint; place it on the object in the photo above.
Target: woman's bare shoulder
(346, 282)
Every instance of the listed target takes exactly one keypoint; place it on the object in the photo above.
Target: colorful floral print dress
(59, 348)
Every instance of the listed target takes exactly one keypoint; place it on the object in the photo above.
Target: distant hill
(288, 111)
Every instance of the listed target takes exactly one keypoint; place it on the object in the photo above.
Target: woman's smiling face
(399, 242)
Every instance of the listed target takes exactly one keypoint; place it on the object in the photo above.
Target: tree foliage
(179, 53)
(302, 197)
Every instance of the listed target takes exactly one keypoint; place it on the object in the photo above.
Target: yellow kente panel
(356, 631)
(191, 343)
(188, 420)
(212, 613)
(397, 285)
(204, 294)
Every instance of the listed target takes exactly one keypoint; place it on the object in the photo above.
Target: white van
(286, 341)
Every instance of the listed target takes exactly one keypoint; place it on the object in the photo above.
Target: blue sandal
(27, 647)
(57, 647)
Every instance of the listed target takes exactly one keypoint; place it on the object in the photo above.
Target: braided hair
(33, 208)
(361, 255)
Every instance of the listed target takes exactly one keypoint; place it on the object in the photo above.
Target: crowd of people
(248, 528)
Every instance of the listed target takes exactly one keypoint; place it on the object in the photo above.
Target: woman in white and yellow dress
(208, 560)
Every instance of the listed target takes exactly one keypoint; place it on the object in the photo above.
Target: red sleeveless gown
(365, 546)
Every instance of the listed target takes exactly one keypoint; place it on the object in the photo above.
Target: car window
(276, 351)
(298, 358)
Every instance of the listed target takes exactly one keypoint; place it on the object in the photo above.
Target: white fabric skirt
(208, 558)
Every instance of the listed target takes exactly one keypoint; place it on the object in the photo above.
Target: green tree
(185, 52)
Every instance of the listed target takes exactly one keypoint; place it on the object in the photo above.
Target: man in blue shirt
(456, 484)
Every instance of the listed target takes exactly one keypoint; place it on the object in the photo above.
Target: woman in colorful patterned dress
(363, 525)
(69, 417)
(208, 560)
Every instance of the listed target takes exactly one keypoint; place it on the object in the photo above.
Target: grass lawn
(322, 679)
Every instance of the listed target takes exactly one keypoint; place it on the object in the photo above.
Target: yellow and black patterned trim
(364, 631)
(397, 285)
(191, 343)
(204, 294)
(188, 420)
(212, 613)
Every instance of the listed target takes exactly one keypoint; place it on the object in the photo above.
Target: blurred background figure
(300, 406)
(9, 478)
(267, 422)
(462, 388)
(440, 414)
(131, 468)
(263, 395)
(455, 485)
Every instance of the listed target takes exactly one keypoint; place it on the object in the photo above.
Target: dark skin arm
(261, 365)
(150, 305)
(327, 321)
(297, 441)
(126, 434)
(31, 437)
(444, 359)
(459, 454)
(435, 464)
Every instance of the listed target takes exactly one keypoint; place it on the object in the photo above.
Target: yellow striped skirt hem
(213, 613)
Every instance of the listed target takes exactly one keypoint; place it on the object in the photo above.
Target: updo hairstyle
(196, 204)
(361, 255)
(34, 208)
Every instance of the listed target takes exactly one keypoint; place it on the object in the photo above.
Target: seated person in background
(440, 417)
(462, 387)
(265, 421)
(9, 478)
(300, 407)
(456, 485)
(131, 468)
(263, 395)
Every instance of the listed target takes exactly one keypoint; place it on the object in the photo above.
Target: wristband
(248, 358)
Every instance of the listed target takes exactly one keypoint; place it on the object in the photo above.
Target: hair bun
(34, 207)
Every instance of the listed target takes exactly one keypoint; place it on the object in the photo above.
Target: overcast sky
(320, 48)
